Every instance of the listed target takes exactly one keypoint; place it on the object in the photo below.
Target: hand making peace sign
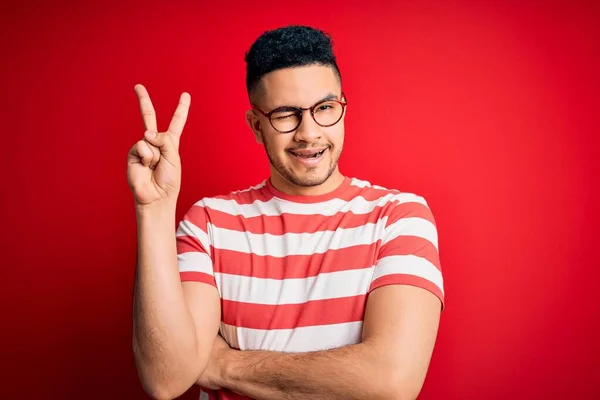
(153, 163)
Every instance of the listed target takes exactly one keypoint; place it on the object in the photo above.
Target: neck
(285, 186)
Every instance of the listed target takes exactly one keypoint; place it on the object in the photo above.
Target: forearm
(163, 332)
(350, 372)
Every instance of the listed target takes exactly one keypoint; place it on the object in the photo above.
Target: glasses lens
(286, 120)
(328, 113)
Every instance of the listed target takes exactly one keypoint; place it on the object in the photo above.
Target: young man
(309, 285)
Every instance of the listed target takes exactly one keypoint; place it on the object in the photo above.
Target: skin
(287, 87)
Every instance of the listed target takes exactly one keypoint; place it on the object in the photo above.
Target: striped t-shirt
(294, 272)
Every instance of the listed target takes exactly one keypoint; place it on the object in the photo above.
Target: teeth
(315, 155)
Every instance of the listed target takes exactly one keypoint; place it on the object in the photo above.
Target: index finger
(179, 117)
(147, 109)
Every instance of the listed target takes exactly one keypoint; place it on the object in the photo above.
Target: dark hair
(290, 46)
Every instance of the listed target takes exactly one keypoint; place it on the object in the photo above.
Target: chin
(309, 182)
(315, 177)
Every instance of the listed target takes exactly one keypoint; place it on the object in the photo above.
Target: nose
(308, 131)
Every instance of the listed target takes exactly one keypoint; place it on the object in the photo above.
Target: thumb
(163, 142)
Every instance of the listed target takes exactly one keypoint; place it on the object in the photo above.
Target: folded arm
(399, 333)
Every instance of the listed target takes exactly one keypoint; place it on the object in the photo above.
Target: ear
(254, 124)
(345, 108)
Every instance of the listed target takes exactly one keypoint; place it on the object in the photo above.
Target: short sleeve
(409, 253)
(194, 246)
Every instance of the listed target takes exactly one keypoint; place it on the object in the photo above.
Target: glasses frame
(301, 111)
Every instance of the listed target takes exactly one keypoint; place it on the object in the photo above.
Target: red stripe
(410, 210)
(407, 245)
(187, 244)
(298, 223)
(194, 276)
(405, 279)
(288, 316)
(248, 196)
(223, 394)
(296, 266)
(369, 193)
(263, 194)
(197, 216)
(226, 394)
(292, 223)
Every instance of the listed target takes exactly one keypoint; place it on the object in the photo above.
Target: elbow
(400, 391)
(157, 390)
(396, 386)
(158, 386)
(158, 393)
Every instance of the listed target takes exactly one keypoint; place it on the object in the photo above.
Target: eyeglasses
(287, 119)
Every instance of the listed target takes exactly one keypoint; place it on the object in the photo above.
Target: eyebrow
(329, 96)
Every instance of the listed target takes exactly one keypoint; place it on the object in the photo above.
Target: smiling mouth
(308, 154)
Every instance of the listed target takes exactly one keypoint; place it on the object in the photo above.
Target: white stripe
(204, 395)
(302, 339)
(256, 187)
(296, 243)
(275, 207)
(360, 183)
(411, 226)
(411, 265)
(297, 290)
(186, 228)
(195, 262)
(366, 184)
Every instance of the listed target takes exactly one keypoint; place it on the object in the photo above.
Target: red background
(488, 109)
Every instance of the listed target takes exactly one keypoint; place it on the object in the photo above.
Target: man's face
(292, 155)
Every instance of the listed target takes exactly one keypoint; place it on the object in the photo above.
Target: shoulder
(393, 199)
(219, 210)
(408, 218)
(234, 203)
(246, 195)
